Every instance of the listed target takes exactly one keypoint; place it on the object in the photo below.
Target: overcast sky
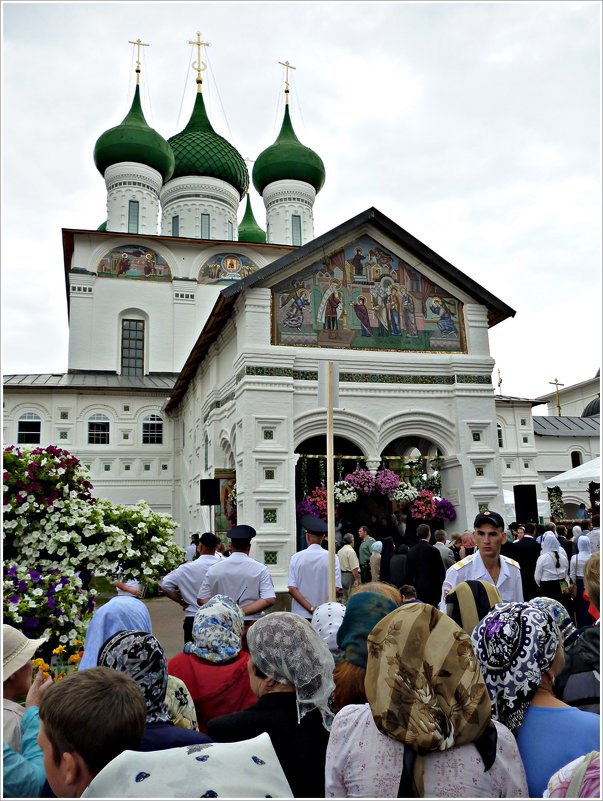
(476, 127)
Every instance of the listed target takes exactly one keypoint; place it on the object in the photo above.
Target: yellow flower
(74, 658)
(78, 642)
(45, 675)
(59, 650)
(37, 663)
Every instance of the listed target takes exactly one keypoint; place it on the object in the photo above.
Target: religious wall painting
(134, 261)
(364, 296)
(226, 267)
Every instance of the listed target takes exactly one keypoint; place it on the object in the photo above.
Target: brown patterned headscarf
(423, 682)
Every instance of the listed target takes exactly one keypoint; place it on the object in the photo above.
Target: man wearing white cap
(245, 580)
(309, 570)
(23, 768)
(487, 562)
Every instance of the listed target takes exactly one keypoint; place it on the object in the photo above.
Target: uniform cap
(241, 533)
(489, 517)
(314, 525)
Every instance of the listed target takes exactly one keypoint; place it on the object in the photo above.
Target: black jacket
(578, 684)
(526, 551)
(300, 747)
(426, 572)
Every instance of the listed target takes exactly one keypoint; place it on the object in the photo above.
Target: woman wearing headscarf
(141, 656)
(426, 730)
(120, 613)
(326, 620)
(520, 650)
(213, 666)
(469, 601)
(576, 572)
(551, 568)
(364, 610)
(559, 614)
(375, 560)
(581, 778)
(291, 672)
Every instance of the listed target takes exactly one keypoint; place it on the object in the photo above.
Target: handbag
(572, 590)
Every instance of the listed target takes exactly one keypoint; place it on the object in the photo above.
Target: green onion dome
(102, 226)
(134, 140)
(199, 150)
(249, 230)
(288, 159)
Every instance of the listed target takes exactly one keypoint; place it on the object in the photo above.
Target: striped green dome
(288, 159)
(249, 230)
(133, 140)
(199, 150)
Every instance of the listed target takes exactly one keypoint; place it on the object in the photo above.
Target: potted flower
(344, 492)
(362, 480)
(386, 481)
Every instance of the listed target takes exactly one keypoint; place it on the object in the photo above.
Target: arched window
(499, 432)
(576, 458)
(152, 430)
(29, 429)
(132, 347)
(98, 429)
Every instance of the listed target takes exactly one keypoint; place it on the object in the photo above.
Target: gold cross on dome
(557, 385)
(138, 44)
(287, 67)
(199, 65)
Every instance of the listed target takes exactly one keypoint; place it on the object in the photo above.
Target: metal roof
(554, 426)
(90, 380)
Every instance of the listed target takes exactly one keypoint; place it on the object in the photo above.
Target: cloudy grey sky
(474, 126)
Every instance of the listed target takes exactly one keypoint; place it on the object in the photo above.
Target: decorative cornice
(363, 378)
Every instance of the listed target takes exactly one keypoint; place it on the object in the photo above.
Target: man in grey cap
(309, 570)
(182, 584)
(487, 562)
(245, 580)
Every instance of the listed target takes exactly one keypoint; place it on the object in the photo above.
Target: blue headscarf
(121, 613)
(363, 611)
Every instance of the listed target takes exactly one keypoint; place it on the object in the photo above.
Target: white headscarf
(285, 647)
(326, 620)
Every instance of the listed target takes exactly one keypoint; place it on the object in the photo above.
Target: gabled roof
(90, 380)
(316, 249)
(497, 309)
(555, 426)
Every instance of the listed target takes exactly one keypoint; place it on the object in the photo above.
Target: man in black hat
(182, 584)
(487, 563)
(245, 580)
(309, 570)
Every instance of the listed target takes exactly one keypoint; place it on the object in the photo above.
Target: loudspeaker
(526, 504)
(210, 491)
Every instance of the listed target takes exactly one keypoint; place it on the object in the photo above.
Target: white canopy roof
(544, 507)
(577, 478)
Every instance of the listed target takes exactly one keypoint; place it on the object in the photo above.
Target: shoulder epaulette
(464, 562)
(510, 561)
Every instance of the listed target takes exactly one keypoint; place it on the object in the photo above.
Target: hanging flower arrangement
(423, 507)
(361, 480)
(386, 481)
(404, 493)
(344, 492)
(444, 509)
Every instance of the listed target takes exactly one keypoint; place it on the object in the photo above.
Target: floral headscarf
(326, 620)
(515, 644)
(424, 684)
(558, 612)
(141, 656)
(217, 630)
(286, 647)
(363, 611)
(180, 705)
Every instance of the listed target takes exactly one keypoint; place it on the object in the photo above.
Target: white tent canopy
(578, 477)
(544, 507)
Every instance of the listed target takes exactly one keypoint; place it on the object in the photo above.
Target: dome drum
(130, 181)
(204, 189)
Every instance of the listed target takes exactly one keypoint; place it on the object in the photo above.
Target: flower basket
(361, 480)
(386, 481)
(404, 493)
(344, 492)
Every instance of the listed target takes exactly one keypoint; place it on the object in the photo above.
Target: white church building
(195, 342)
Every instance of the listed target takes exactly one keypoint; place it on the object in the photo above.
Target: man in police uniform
(487, 562)
(309, 570)
(245, 580)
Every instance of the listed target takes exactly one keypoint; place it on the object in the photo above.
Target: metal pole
(330, 483)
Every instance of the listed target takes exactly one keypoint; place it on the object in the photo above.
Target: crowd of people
(462, 668)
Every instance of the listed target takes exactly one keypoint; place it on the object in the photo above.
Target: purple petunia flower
(34, 575)
(14, 599)
(22, 586)
(64, 581)
(51, 602)
(31, 622)
(11, 571)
